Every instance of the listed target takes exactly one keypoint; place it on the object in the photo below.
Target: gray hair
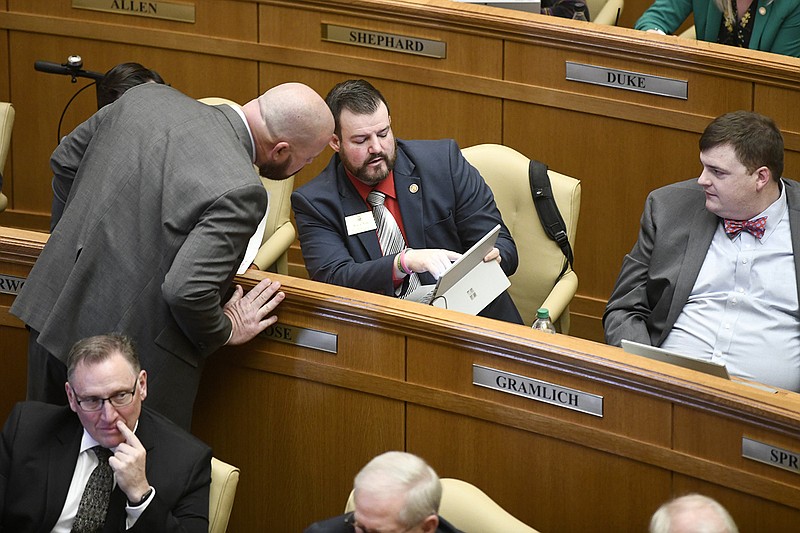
(403, 474)
(97, 349)
(701, 513)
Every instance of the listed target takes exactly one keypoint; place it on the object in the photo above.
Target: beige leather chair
(536, 283)
(279, 233)
(469, 509)
(224, 479)
(6, 125)
(606, 12)
(688, 33)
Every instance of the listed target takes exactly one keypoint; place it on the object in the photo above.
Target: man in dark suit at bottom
(160, 474)
(395, 491)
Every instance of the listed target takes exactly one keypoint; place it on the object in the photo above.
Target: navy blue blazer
(38, 452)
(444, 203)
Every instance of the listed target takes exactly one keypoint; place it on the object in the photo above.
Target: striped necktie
(389, 235)
(92, 509)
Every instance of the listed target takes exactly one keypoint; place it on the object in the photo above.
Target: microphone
(73, 68)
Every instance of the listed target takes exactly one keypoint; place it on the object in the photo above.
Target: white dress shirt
(743, 308)
(87, 462)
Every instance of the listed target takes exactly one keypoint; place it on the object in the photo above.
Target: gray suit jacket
(163, 203)
(657, 276)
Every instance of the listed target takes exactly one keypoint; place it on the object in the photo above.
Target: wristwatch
(144, 498)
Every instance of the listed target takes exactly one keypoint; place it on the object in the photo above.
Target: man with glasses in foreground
(115, 466)
(396, 492)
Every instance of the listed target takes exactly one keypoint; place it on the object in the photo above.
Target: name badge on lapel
(360, 223)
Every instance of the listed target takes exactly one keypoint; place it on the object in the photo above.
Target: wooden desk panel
(301, 422)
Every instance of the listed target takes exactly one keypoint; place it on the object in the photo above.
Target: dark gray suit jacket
(38, 452)
(163, 203)
(657, 276)
(444, 203)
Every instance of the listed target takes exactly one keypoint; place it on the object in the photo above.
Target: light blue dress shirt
(743, 308)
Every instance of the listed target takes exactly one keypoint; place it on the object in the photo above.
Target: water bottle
(579, 14)
(543, 322)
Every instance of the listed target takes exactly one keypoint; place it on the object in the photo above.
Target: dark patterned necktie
(753, 227)
(94, 503)
(389, 235)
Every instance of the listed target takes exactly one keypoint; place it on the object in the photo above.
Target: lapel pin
(413, 188)
(762, 10)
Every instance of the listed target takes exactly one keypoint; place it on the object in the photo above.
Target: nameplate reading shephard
(771, 455)
(307, 338)
(631, 81)
(157, 9)
(535, 389)
(10, 284)
(384, 41)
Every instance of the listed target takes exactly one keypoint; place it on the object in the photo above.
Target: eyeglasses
(350, 520)
(120, 399)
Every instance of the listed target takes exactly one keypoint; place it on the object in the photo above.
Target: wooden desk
(300, 422)
(502, 81)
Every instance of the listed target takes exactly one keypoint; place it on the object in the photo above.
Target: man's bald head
(291, 125)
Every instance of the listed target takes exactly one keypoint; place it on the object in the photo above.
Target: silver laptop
(531, 6)
(665, 356)
(469, 285)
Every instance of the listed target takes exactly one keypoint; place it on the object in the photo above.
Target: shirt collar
(386, 186)
(774, 213)
(246, 125)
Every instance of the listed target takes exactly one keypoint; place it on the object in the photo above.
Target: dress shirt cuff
(133, 513)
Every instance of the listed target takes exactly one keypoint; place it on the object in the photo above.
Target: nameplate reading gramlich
(538, 390)
(771, 455)
(157, 9)
(10, 284)
(307, 338)
(631, 81)
(384, 41)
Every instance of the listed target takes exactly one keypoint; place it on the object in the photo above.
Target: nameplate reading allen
(157, 9)
(10, 284)
(384, 41)
(307, 338)
(631, 81)
(771, 455)
(534, 389)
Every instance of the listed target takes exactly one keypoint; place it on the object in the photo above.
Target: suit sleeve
(207, 260)
(190, 512)
(476, 212)
(6, 445)
(324, 243)
(666, 15)
(628, 307)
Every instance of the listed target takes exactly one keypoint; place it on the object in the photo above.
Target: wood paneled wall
(301, 422)
(503, 81)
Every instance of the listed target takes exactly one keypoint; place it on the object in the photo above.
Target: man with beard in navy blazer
(440, 203)
(161, 474)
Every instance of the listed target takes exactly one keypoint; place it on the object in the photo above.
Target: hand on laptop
(435, 261)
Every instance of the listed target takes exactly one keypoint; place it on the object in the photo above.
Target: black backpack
(547, 209)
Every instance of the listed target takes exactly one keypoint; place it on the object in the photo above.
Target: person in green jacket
(766, 25)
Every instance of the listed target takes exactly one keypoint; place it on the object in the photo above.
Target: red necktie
(754, 227)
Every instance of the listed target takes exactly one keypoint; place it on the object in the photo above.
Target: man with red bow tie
(713, 274)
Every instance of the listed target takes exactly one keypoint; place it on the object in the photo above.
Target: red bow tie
(754, 227)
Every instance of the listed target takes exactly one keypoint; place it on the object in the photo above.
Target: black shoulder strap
(547, 209)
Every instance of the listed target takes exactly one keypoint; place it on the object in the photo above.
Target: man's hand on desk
(250, 313)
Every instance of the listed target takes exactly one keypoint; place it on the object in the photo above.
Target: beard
(273, 171)
(373, 176)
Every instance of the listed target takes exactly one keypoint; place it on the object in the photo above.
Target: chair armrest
(3, 202)
(561, 295)
(275, 246)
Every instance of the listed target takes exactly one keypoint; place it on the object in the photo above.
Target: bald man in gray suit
(163, 202)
